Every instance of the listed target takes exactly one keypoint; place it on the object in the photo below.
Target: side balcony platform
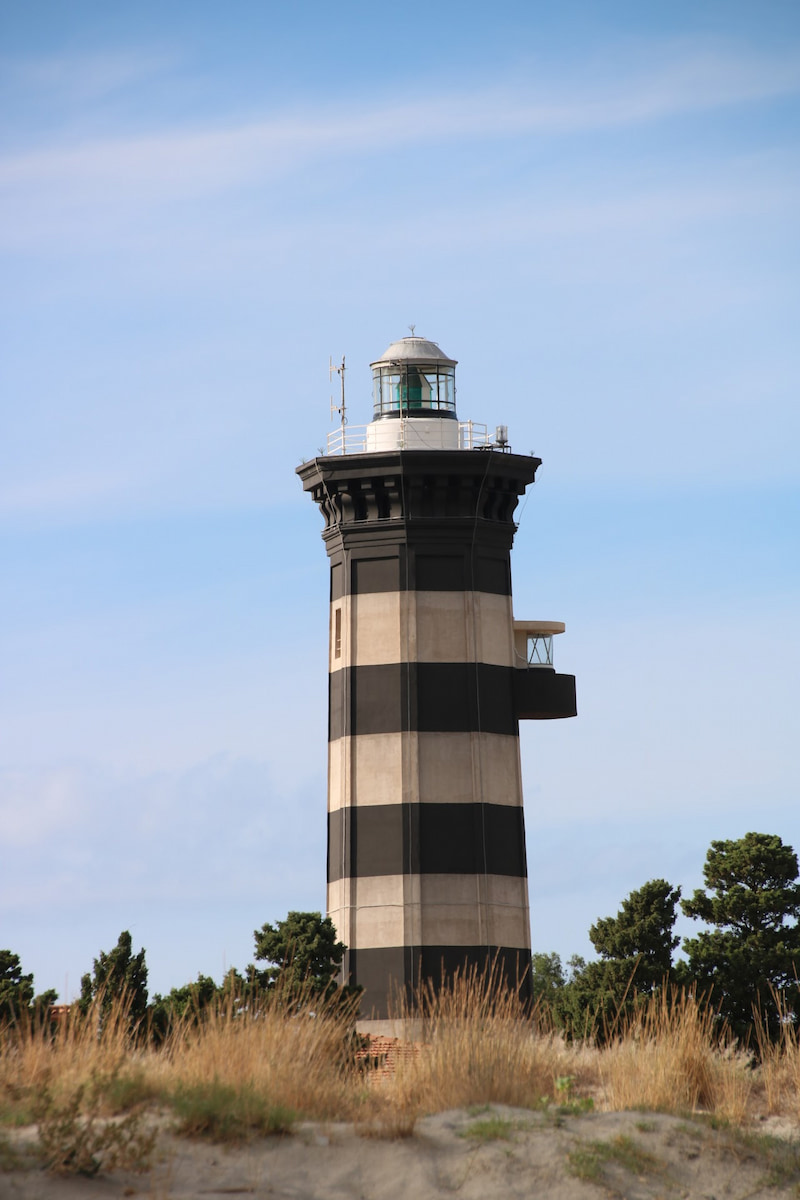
(540, 692)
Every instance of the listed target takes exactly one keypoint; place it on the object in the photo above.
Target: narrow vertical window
(337, 633)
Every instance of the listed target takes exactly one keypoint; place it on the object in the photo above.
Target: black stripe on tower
(426, 839)
(422, 569)
(403, 967)
(422, 697)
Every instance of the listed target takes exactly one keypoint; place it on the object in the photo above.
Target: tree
(303, 948)
(118, 977)
(188, 1003)
(551, 983)
(16, 990)
(547, 979)
(753, 902)
(635, 949)
(192, 997)
(640, 936)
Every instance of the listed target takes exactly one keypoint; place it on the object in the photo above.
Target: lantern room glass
(540, 650)
(414, 389)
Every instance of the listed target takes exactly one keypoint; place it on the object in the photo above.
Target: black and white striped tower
(429, 676)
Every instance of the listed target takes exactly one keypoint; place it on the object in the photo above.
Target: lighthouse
(429, 675)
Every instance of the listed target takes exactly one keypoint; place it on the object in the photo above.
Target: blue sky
(594, 209)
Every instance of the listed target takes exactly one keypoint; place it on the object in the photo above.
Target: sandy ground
(496, 1153)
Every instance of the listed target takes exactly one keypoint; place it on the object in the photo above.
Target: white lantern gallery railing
(472, 435)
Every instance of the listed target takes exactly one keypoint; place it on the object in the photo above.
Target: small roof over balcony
(544, 628)
(414, 350)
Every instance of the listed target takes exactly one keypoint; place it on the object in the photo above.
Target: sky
(593, 208)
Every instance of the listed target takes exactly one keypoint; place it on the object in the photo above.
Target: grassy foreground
(236, 1074)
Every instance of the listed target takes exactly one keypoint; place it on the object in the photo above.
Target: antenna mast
(338, 408)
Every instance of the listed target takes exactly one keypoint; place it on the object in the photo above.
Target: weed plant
(491, 1129)
(224, 1113)
(590, 1161)
(73, 1140)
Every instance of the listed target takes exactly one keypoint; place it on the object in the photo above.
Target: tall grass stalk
(292, 1050)
(35, 1056)
(289, 1050)
(780, 1062)
(253, 1066)
(478, 1046)
(672, 1056)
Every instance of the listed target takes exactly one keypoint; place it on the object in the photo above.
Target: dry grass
(242, 1072)
(478, 1047)
(294, 1055)
(672, 1057)
(233, 1073)
(780, 1066)
(36, 1060)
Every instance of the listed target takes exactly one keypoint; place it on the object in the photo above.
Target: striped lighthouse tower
(429, 676)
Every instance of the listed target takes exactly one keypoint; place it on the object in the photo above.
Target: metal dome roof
(414, 349)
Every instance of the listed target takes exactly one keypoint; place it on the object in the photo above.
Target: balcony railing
(352, 439)
(347, 439)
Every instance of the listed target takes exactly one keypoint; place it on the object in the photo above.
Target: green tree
(16, 989)
(635, 949)
(752, 900)
(187, 1003)
(547, 979)
(118, 977)
(640, 937)
(191, 997)
(303, 949)
(551, 982)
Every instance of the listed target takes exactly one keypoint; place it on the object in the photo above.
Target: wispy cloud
(153, 168)
(73, 80)
(235, 210)
(169, 834)
(40, 806)
(189, 860)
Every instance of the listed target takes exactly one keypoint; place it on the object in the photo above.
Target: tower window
(337, 633)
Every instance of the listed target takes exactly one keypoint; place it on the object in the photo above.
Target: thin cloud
(762, 186)
(35, 806)
(185, 832)
(77, 79)
(218, 159)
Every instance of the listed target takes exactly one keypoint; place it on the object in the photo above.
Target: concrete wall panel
(429, 910)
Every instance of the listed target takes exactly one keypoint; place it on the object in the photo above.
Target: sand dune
(490, 1154)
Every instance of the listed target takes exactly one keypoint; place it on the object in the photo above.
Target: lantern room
(414, 398)
(413, 378)
(533, 642)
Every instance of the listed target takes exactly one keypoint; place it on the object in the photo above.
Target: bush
(74, 1140)
(225, 1113)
